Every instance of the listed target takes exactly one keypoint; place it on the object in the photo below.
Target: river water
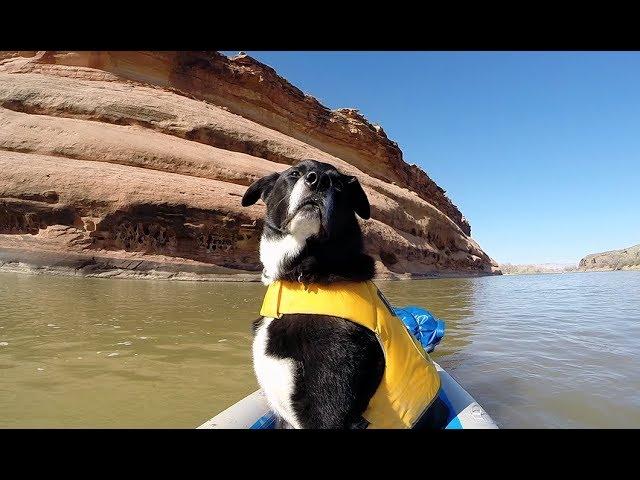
(535, 350)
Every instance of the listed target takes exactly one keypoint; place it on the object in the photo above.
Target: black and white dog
(316, 371)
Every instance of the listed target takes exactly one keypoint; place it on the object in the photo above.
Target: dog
(316, 371)
(320, 370)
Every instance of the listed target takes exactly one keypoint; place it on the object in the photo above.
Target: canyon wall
(136, 161)
(623, 259)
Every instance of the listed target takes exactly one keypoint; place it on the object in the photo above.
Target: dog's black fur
(339, 364)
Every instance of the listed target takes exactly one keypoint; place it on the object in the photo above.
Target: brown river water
(535, 350)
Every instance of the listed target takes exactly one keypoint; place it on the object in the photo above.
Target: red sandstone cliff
(138, 160)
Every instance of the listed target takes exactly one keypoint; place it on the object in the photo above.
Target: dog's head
(311, 211)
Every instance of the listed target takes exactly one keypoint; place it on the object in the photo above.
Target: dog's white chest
(276, 376)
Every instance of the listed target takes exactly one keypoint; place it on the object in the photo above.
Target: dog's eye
(294, 174)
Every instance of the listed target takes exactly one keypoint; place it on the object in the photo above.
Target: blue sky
(539, 150)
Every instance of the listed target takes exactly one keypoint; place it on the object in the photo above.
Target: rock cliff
(136, 161)
(624, 259)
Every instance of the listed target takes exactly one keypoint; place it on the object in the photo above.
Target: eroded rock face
(149, 153)
(623, 259)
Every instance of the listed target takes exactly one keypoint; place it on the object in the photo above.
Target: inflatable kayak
(453, 408)
(459, 410)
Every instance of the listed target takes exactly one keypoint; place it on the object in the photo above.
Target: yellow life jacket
(410, 381)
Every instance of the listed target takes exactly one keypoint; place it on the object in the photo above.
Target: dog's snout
(311, 179)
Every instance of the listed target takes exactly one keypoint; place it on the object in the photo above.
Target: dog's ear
(259, 189)
(357, 197)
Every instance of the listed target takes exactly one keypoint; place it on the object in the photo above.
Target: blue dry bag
(422, 324)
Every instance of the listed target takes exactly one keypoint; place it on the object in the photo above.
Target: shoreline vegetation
(534, 268)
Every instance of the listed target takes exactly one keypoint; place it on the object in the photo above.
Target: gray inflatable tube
(252, 412)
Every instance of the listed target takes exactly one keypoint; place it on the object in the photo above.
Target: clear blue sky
(539, 150)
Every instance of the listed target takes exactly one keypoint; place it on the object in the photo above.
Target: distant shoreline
(515, 270)
(535, 268)
(609, 261)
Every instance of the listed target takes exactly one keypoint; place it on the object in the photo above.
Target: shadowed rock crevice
(220, 139)
(19, 216)
(179, 231)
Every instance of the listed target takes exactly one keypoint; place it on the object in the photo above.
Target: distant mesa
(623, 259)
(124, 163)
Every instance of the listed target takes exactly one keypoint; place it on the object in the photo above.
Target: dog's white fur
(275, 375)
(274, 251)
(297, 194)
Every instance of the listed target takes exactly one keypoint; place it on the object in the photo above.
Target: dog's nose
(311, 179)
